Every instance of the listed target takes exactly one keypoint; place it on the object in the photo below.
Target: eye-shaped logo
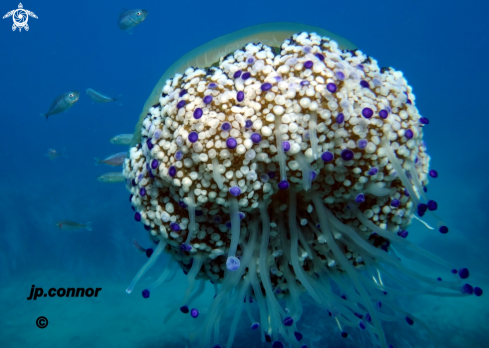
(20, 17)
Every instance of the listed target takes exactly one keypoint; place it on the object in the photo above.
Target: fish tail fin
(117, 100)
(88, 226)
(97, 161)
(44, 115)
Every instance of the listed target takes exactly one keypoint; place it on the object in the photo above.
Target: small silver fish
(122, 139)
(52, 153)
(67, 225)
(111, 177)
(98, 97)
(62, 103)
(114, 160)
(128, 19)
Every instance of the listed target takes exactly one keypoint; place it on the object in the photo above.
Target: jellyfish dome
(281, 163)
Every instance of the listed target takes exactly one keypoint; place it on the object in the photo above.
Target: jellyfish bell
(268, 214)
(272, 34)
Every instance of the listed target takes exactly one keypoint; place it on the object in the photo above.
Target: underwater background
(441, 47)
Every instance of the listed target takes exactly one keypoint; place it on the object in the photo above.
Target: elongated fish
(122, 139)
(128, 19)
(67, 225)
(111, 177)
(62, 103)
(98, 97)
(52, 153)
(114, 160)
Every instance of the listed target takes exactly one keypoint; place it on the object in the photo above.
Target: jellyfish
(280, 163)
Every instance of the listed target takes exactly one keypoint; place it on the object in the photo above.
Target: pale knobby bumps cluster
(311, 117)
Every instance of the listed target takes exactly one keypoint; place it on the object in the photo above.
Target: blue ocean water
(440, 46)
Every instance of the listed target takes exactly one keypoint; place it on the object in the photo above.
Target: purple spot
(248, 124)
(298, 336)
(266, 86)
(308, 64)
(237, 74)
(232, 263)
(362, 144)
(172, 171)
(193, 137)
(362, 325)
(409, 134)
(255, 326)
(367, 112)
(137, 216)
(250, 60)
(212, 85)
(432, 205)
(305, 83)
(154, 164)
(364, 84)
(331, 87)
(288, 321)
(433, 173)
(146, 293)
(142, 191)
(178, 155)
(184, 309)
(235, 191)
(181, 104)
(231, 143)
(286, 146)
(208, 99)
(424, 120)
(409, 321)
(339, 75)
(478, 291)
(182, 93)
(175, 227)
(149, 143)
(463, 273)
(373, 171)
(468, 289)
(283, 185)
(327, 156)
(422, 208)
(402, 234)
(443, 229)
(383, 114)
(198, 113)
(277, 344)
(256, 138)
(395, 203)
(226, 126)
(360, 198)
(240, 96)
(194, 313)
(246, 76)
(319, 56)
(347, 154)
